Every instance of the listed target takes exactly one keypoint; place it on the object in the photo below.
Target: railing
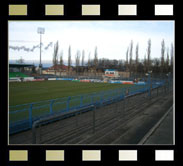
(21, 117)
(49, 119)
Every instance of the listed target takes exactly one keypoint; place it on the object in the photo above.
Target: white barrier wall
(14, 80)
(28, 78)
(51, 78)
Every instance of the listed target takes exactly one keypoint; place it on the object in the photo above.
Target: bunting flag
(19, 48)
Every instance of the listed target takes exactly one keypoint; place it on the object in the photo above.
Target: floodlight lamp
(40, 30)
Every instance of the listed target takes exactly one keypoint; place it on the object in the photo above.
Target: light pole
(40, 31)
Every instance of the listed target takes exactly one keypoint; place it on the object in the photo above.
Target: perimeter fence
(22, 117)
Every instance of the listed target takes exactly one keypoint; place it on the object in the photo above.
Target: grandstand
(17, 72)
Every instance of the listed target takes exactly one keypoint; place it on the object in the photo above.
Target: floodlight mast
(40, 31)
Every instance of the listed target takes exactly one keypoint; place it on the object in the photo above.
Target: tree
(131, 55)
(171, 58)
(127, 59)
(162, 55)
(82, 61)
(33, 69)
(61, 61)
(69, 59)
(145, 64)
(167, 61)
(149, 55)
(95, 60)
(83, 57)
(140, 67)
(55, 55)
(89, 61)
(77, 61)
(137, 58)
(156, 65)
(20, 61)
(121, 64)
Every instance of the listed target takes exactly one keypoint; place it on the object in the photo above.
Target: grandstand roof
(20, 65)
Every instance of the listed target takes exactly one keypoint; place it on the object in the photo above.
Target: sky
(112, 38)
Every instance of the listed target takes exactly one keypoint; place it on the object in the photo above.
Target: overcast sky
(111, 38)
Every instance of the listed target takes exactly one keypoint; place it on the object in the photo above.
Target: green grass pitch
(28, 92)
(41, 94)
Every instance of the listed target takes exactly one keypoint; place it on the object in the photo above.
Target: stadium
(99, 101)
(68, 98)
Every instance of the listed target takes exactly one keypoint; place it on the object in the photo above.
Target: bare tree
(137, 58)
(89, 61)
(33, 69)
(167, 60)
(149, 55)
(145, 64)
(69, 59)
(55, 56)
(127, 59)
(131, 56)
(95, 60)
(61, 61)
(171, 58)
(83, 57)
(20, 61)
(77, 61)
(82, 61)
(162, 55)
(156, 65)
